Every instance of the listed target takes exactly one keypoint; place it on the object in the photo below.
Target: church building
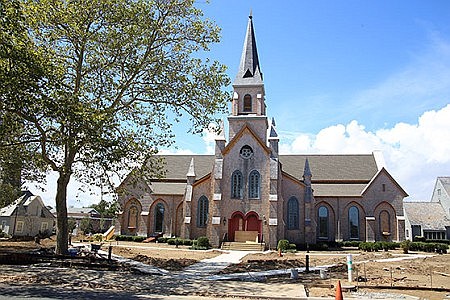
(247, 191)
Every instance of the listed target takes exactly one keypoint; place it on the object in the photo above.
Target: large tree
(24, 73)
(126, 70)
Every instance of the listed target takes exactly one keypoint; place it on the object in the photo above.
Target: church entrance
(243, 228)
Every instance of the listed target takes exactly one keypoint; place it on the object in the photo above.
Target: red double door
(241, 222)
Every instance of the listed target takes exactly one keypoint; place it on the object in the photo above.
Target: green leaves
(97, 85)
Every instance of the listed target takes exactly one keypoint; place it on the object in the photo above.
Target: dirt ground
(374, 269)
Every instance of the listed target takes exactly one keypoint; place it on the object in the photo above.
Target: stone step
(243, 246)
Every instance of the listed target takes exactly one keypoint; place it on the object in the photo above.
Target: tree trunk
(62, 229)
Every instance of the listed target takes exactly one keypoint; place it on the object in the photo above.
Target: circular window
(246, 152)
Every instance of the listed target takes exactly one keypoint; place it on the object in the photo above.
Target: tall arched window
(159, 217)
(236, 185)
(133, 214)
(323, 222)
(353, 222)
(202, 211)
(293, 213)
(385, 223)
(247, 103)
(253, 184)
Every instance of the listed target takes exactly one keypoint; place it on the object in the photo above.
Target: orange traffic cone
(279, 252)
(339, 292)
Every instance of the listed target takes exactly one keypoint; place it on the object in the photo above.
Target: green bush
(428, 247)
(130, 238)
(283, 245)
(187, 242)
(172, 241)
(98, 237)
(139, 239)
(203, 241)
(418, 238)
(178, 241)
(405, 245)
(162, 239)
(350, 244)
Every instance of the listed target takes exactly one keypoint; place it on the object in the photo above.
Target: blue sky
(345, 77)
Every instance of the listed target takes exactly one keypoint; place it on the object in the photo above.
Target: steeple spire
(249, 70)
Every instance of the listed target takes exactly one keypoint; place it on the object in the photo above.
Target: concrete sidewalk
(213, 265)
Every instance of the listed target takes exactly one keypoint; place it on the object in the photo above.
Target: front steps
(243, 246)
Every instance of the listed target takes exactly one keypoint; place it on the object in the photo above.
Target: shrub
(98, 237)
(138, 239)
(365, 246)
(130, 238)
(203, 241)
(172, 241)
(418, 238)
(187, 242)
(350, 244)
(405, 245)
(283, 245)
(162, 239)
(429, 247)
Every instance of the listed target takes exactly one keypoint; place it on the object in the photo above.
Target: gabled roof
(26, 199)
(384, 171)
(445, 181)
(332, 175)
(430, 215)
(241, 132)
(249, 71)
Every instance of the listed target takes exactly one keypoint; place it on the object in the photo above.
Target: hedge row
(178, 241)
(376, 246)
(428, 247)
(202, 243)
(130, 238)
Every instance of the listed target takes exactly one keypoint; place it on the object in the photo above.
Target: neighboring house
(247, 190)
(431, 219)
(92, 217)
(27, 216)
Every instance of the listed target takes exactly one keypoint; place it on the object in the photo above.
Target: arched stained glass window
(236, 185)
(133, 217)
(385, 223)
(253, 184)
(247, 103)
(159, 217)
(202, 211)
(353, 222)
(293, 213)
(323, 222)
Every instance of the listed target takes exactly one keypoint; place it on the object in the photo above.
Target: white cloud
(415, 154)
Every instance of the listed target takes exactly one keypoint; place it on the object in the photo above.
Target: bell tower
(248, 103)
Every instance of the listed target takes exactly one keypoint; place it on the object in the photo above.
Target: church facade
(248, 190)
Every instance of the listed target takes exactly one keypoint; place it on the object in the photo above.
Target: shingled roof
(332, 175)
(324, 168)
(332, 168)
(430, 215)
